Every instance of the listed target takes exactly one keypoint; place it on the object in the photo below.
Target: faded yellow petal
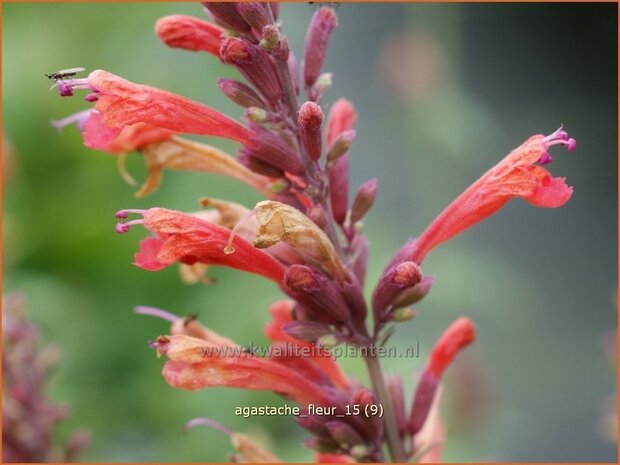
(280, 222)
(190, 326)
(250, 451)
(181, 154)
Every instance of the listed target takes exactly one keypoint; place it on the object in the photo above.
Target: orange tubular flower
(187, 239)
(189, 33)
(195, 364)
(120, 103)
(514, 176)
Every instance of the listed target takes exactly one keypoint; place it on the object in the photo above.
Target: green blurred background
(443, 92)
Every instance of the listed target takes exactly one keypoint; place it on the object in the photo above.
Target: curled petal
(514, 177)
(281, 222)
(146, 258)
(122, 103)
(184, 155)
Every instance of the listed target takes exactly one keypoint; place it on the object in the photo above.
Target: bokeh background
(443, 92)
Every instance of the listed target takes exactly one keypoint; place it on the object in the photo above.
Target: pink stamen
(156, 312)
(558, 137)
(123, 213)
(122, 228)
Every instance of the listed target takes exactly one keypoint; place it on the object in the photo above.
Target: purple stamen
(156, 312)
(207, 422)
(558, 137)
(545, 159)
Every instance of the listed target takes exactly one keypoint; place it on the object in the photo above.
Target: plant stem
(394, 443)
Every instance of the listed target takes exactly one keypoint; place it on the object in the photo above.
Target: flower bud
(310, 119)
(306, 330)
(273, 150)
(394, 385)
(247, 159)
(364, 199)
(227, 15)
(414, 294)
(255, 114)
(316, 293)
(329, 340)
(340, 146)
(271, 36)
(189, 33)
(321, 26)
(258, 15)
(275, 9)
(400, 315)
(317, 214)
(254, 64)
(402, 276)
(240, 93)
(343, 434)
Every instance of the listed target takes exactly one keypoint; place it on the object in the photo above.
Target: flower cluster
(29, 419)
(306, 236)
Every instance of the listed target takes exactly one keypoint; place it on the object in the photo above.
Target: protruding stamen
(207, 422)
(77, 118)
(558, 137)
(156, 312)
(123, 213)
(229, 249)
(92, 97)
(122, 228)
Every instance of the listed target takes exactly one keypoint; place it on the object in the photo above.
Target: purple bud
(273, 150)
(310, 118)
(318, 294)
(227, 15)
(364, 199)
(339, 188)
(257, 165)
(321, 26)
(306, 330)
(370, 428)
(254, 64)
(240, 93)
(402, 276)
(257, 15)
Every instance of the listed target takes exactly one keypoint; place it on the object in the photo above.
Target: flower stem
(394, 443)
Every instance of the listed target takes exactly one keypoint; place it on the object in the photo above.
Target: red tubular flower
(459, 335)
(120, 103)
(189, 33)
(514, 176)
(188, 239)
(195, 364)
(342, 117)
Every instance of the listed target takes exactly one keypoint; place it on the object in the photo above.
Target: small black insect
(63, 74)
